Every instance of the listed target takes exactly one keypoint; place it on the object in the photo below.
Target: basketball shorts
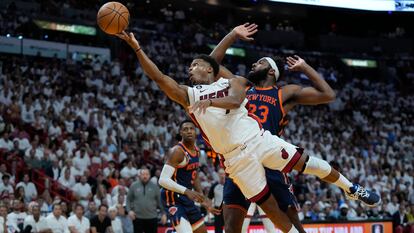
(177, 206)
(246, 164)
(279, 187)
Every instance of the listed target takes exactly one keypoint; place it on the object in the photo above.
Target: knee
(318, 167)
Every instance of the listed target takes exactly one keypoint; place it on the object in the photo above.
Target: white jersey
(225, 129)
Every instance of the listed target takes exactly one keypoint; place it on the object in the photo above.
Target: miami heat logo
(285, 155)
(172, 210)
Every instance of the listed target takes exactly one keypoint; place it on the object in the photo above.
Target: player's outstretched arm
(234, 99)
(175, 91)
(319, 93)
(175, 157)
(243, 32)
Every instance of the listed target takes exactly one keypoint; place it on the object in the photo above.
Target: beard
(257, 76)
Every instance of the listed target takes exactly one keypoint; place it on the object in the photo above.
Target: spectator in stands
(5, 142)
(54, 171)
(78, 223)
(83, 191)
(102, 197)
(81, 160)
(67, 180)
(129, 171)
(110, 170)
(30, 190)
(91, 211)
(19, 194)
(101, 222)
(127, 225)
(3, 218)
(115, 221)
(5, 185)
(35, 222)
(16, 218)
(55, 221)
(143, 200)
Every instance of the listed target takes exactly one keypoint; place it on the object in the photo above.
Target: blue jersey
(266, 104)
(183, 175)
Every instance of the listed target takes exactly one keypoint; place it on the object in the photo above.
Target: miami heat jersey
(266, 104)
(224, 129)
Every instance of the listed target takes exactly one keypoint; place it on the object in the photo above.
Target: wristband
(138, 49)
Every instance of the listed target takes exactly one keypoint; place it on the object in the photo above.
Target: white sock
(343, 183)
(293, 230)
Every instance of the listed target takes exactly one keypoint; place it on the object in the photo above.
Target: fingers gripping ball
(113, 18)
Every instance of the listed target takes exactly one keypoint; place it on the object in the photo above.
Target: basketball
(113, 18)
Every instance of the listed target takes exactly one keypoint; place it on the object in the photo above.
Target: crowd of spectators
(94, 126)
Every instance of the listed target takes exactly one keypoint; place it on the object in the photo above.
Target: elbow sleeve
(166, 182)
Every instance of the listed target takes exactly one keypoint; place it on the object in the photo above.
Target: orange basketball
(113, 18)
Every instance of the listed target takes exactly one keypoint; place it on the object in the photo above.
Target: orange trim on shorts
(199, 222)
(234, 206)
(167, 197)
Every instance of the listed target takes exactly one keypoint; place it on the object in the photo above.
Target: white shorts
(245, 165)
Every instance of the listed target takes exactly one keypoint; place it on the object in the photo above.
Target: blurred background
(75, 103)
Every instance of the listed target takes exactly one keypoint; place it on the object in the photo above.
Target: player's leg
(322, 169)
(249, 175)
(277, 154)
(268, 225)
(249, 215)
(292, 213)
(234, 207)
(277, 216)
(195, 218)
(280, 188)
(183, 226)
(233, 219)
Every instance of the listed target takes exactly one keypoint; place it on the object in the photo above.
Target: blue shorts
(177, 206)
(279, 187)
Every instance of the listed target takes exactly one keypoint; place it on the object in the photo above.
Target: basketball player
(218, 108)
(178, 177)
(270, 104)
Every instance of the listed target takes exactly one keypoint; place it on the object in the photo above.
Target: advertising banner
(349, 227)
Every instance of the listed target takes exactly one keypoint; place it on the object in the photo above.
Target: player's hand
(200, 106)
(296, 63)
(163, 219)
(130, 39)
(195, 196)
(245, 31)
(209, 206)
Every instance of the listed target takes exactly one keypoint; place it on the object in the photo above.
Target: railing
(17, 167)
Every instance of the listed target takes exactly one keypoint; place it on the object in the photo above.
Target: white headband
(272, 64)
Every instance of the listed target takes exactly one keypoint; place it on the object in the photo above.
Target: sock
(293, 230)
(344, 183)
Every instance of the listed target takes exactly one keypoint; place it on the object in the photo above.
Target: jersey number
(262, 111)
